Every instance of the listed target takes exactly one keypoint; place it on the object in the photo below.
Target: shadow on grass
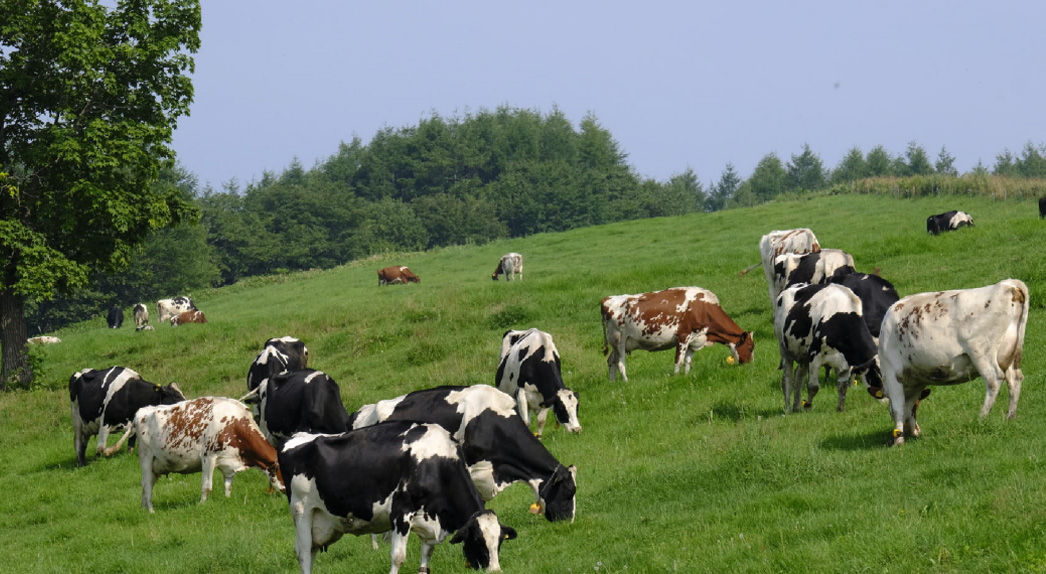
(857, 441)
(738, 412)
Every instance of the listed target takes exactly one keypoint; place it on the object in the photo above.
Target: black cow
(105, 399)
(876, 295)
(115, 317)
(529, 370)
(1042, 207)
(822, 325)
(305, 400)
(277, 356)
(398, 476)
(948, 221)
(499, 449)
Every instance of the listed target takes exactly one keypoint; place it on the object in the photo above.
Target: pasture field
(698, 473)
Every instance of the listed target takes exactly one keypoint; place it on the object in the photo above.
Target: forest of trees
(490, 175)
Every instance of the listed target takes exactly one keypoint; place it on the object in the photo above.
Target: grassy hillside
(697, 473)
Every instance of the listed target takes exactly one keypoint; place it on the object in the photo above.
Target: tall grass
(698, 473)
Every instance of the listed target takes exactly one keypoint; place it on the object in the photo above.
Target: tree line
(485, 176)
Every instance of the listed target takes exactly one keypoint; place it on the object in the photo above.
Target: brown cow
(396, 274)
(188, 317)
(684, 318)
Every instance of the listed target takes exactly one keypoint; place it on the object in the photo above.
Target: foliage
(805, 171)
(89, 97)
(695, 473)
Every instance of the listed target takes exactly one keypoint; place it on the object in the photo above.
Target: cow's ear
(459, 536)
(507, 533)
(744, 336)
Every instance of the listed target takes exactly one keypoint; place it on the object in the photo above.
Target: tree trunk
(16, 369)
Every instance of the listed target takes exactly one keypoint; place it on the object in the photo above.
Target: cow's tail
(606, 349)
(109, 451)
(1022, 294)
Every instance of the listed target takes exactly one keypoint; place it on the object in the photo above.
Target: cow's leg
(79, 440)
(228, 473)
(148, 481)
(787, 382)
(843, 383)
(303, 536)
(989, 370)
(813, 384)
(616, 360)
(399, 549)
(207, 463)
(426, 555)
(103, 437)
(896, 396)
(1014, 379)
(542, 419)
(522, 407)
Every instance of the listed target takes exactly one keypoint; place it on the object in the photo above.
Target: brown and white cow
(683, 318)
(950, 337)
(396, 274)
(188, 317)
(201, 435)
(167, 308)
(799, 241)
(511, 264)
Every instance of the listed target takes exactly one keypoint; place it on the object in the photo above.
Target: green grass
(697, 473)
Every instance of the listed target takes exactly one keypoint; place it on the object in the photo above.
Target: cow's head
(744, 349)
(481, 539)
(170, 394)
(565, 406)
(557, 494)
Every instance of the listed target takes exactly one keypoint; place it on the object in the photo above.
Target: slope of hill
(697, 473)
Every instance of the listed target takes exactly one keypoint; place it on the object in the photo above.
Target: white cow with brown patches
(950, 337)
(201, 435)
(682, 318)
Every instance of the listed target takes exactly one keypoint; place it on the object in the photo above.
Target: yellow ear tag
(896, 433)
(730, 360)
(879, 395)
(535, 508)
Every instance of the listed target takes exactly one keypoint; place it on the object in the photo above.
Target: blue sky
(679, 84)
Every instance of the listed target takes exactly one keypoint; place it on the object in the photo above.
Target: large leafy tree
(806, 171)
(89, 98)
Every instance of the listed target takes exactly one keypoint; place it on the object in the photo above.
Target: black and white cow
(530, 371)
(799, 241)
(201, 435)
(948, 221)
(950, 337)
(167, 308)
(395, 477)
(305, 400)
(812, 268)
(822, 325)
(115, 317)
(499, 449)
(141, 317)
(105, 399)
(876, 295)
(277, 355)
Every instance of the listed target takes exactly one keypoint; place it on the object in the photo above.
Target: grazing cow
(43, 339)
(948, 221)
(510, 265)
(811, 268)
(200, 435)
(530, 371)
(277, 356)
(105, 399)
(115, 317)
(876, 295)
(950, 337)
(1042, 207)
(397, 274)
(684, 318)
(141, 317)
(188, 317)
(305, 400)
(499, 449)
(394, 477)
(167, 308)
(799, 241)
(822, 325)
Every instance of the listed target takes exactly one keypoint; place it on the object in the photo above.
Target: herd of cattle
(179, 311)
(427, 461)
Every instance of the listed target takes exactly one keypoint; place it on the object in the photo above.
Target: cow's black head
(170, 394)
(557, 494)
(481, 539)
